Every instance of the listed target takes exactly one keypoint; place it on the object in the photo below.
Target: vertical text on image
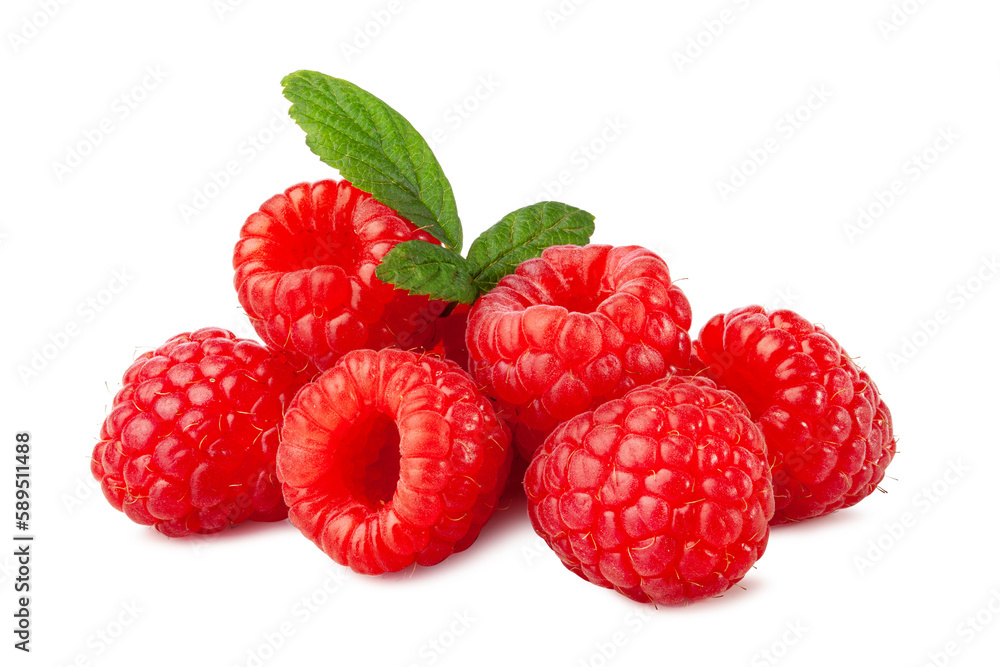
(23, 541)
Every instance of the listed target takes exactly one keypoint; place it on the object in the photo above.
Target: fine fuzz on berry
(573, 328)
(663, 495)
(189, 445)
(391, 458)
(305, 274)
(829, 433)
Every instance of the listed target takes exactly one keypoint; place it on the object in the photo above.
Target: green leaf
(424, 268)
(522, 235)
(376, 149)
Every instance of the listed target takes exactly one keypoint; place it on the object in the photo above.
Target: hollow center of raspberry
(582, 299)
(338, 246)
(581, 296)
(371, 469)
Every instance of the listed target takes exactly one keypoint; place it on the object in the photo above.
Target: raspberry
(828, 432)
(663, 494)
(189, 445)
(573, 328)
(391, 458)
(305, 274)
(452, 335)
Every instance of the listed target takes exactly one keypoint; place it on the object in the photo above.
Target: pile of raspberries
(386, 425)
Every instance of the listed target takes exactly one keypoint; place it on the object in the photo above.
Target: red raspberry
(190, 443)
(305, 274)
(450, 335)
(391, 458)
(573, 328)
(829, 434)
(663, 495)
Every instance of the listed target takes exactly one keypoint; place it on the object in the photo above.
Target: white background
(857, 587)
